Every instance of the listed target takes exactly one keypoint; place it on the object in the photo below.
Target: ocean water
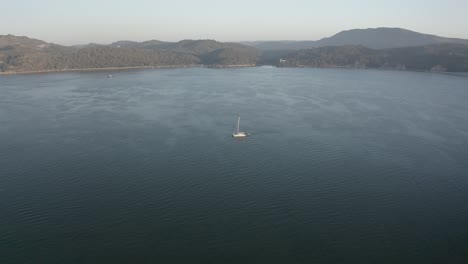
(342, 166)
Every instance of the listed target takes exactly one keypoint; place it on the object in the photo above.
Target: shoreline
(127, 68)
(215, 66)
(464, 74)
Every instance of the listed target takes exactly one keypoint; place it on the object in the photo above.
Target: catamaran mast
(238, 123)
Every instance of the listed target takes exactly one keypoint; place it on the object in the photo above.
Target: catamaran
(237, 133)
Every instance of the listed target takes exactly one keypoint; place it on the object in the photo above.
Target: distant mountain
(151, 44)
(20, 54)
(385, 38)
(375, 38)
(281, 45)
(195, 47)
(448, 57)
(15, 45)
(20, 41)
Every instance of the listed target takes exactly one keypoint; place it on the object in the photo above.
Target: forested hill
(374, 38)
(438, 57)
(22, 54)
(196, 47)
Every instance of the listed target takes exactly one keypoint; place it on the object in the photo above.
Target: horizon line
(232, 41)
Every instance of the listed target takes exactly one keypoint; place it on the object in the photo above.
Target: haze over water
(343, 166)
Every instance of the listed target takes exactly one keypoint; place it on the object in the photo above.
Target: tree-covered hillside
(21, 54)
(439, 57)
(374, 38)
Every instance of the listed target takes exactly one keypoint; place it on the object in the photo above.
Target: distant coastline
(351, 49)
(126, 68)
(464, 74)
(378, 69)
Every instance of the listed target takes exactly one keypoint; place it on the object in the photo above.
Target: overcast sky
(105, 21)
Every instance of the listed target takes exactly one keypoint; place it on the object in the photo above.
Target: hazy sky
(104, 21)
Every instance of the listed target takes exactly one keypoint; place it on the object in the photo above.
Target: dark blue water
(343, 166)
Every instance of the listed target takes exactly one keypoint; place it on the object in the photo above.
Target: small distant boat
(109, 76)
(237, 133)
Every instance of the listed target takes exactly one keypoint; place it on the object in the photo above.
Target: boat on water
(109, 76)
(237, 133)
